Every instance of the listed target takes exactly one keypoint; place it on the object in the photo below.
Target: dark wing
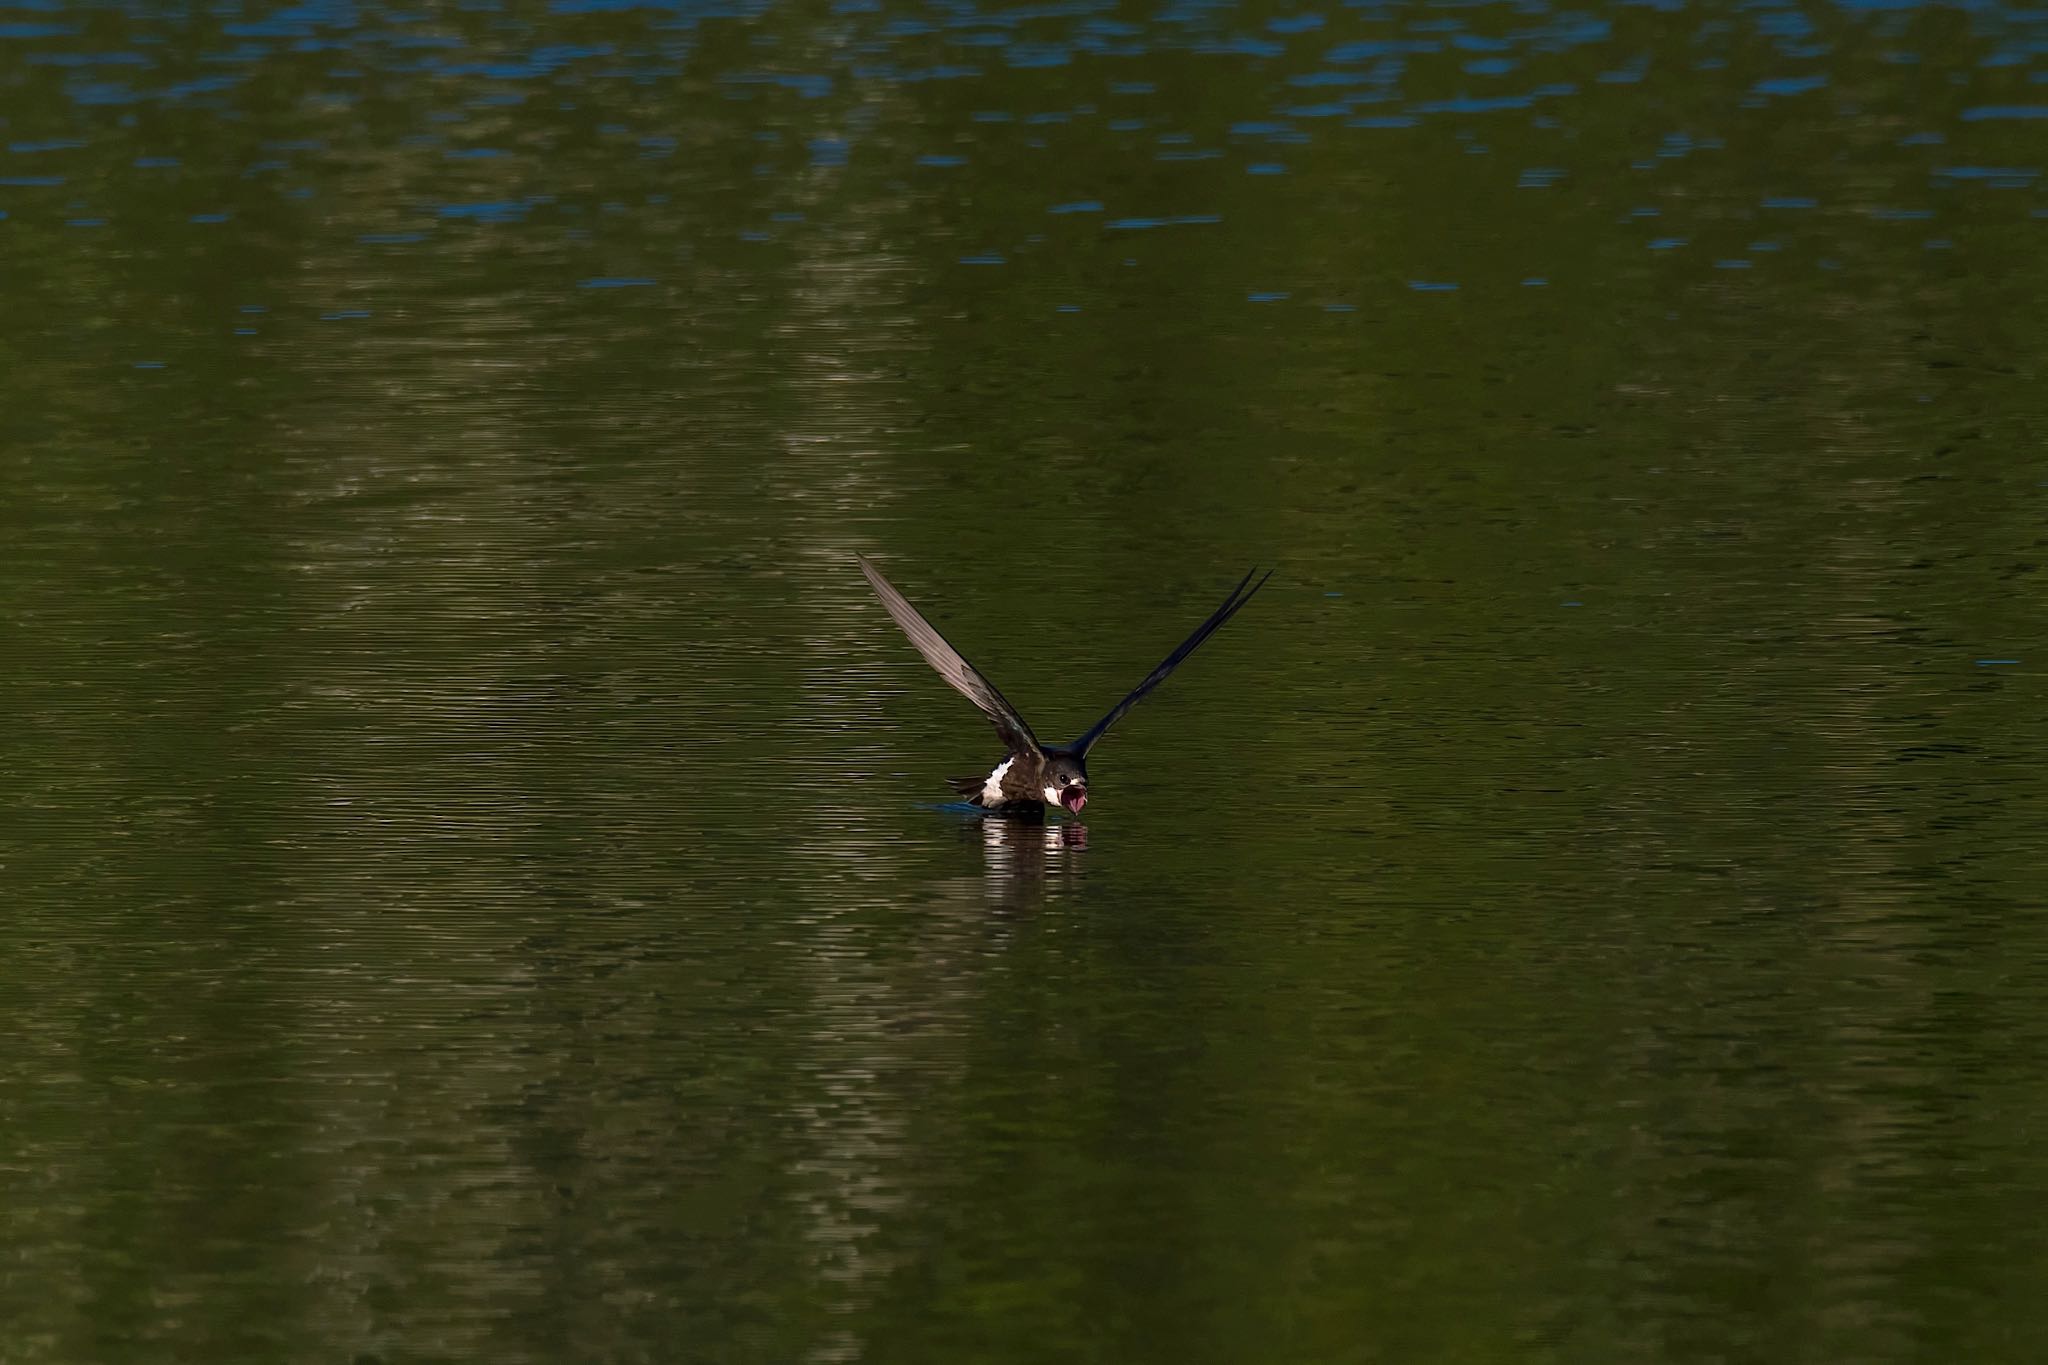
(942, 656)
(1238, 597)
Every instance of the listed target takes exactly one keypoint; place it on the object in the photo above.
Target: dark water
(473, 884)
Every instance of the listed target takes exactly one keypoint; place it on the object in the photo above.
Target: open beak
(1074, 797)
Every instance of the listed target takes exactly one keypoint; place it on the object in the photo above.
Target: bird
(1034, 776)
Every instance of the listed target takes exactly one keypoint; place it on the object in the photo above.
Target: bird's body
(1022, 784)
(1032, 775)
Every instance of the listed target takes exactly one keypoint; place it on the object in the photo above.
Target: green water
(475, 880)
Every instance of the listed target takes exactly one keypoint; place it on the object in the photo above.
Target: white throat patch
(1052, 796)
(992, 789)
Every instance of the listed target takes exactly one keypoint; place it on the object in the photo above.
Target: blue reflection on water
(509, 90)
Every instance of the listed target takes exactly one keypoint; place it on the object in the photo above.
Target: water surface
(477, 889)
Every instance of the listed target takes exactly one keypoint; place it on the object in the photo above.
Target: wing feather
(1239, 595)
(947, 661)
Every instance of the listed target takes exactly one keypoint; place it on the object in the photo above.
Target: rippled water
(476, 879)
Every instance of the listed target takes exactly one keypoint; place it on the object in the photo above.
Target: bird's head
(1066, 782)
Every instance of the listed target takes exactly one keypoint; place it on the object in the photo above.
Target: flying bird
(1034, 775)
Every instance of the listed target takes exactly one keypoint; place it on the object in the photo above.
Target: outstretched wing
(1239, 595)
(942, 656)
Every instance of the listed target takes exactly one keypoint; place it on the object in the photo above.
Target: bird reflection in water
(1024, 860)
